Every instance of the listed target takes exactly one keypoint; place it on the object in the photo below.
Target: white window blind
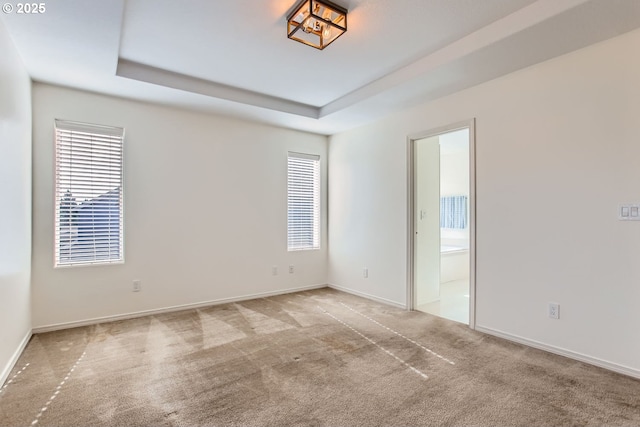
(88, 194)
(303, 201)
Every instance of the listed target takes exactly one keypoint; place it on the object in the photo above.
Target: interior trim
(368, 296)
(158, 76)
(621, 369)
(14, 358)
(469, 124)
(133, 315)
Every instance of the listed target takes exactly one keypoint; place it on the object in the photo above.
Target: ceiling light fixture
(316, 23)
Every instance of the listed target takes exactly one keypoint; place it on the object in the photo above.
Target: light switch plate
(629, 212)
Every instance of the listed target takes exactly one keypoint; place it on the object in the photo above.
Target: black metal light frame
(314, 23)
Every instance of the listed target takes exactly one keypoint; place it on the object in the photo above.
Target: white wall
(205, 211)
(454, 180)
(454, 163)
(15, 204)
(558, 149)
(368, 211)
(454, 173)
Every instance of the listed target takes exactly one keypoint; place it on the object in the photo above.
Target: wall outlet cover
(554, 310)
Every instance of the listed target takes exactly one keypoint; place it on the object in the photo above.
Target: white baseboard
(625, 370)
(95, 320)
(621, 369)
(14, 358)
(368, 296)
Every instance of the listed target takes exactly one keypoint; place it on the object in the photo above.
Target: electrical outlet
(365, 273)
(291, 269)
(274, 270)
(137, 286)
(554, 310)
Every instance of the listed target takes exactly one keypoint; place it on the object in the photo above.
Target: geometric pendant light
(316, 23)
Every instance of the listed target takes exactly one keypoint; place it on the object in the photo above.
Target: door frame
(411, 168)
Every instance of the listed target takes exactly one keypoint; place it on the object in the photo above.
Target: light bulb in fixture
(308, 25)
(326, 31)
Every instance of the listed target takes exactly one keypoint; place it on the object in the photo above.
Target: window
(88, 194)
(453, 212)
(303, 201)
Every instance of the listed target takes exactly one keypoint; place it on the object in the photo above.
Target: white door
(427, 220)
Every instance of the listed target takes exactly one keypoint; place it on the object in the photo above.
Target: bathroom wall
(454, 179)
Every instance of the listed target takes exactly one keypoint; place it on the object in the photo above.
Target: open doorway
(442, 233)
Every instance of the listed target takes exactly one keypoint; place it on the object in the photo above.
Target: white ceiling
(232, 57)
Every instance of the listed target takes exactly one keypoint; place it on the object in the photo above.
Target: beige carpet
(306, 359)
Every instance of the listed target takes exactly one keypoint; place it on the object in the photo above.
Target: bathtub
(454, 263)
